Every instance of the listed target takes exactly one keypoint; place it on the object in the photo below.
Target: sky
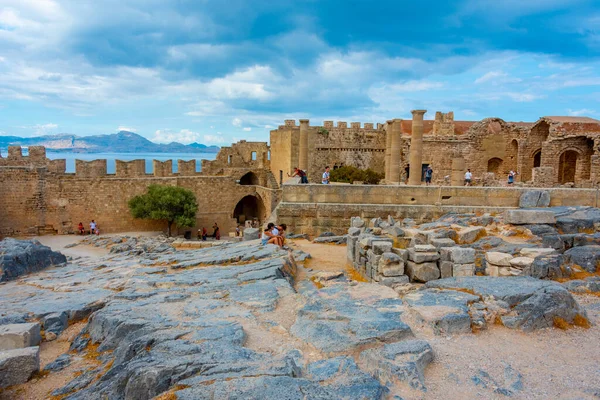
(216, 72)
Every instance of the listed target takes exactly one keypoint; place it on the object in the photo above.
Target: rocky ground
(133, 318)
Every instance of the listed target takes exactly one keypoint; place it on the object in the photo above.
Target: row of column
(393, 153)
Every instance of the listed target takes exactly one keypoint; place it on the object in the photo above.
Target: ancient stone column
(458, 171)
(303, 148)
(416, 148)
(395, 151)
(388, 150)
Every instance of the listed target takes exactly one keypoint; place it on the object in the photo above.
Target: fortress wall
(285, 142)
(90, 169)
(130, 168)
(162, 168)
(39, 199)
(314, 209)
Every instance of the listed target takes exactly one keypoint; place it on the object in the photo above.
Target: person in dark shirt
(301, 174)
(428, 176)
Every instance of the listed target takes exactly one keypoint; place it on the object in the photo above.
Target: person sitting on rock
(268, 236)
(81, 229)
(281, 228)
(92, 227)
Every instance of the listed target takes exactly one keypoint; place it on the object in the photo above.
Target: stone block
(438, 243)
(534, 198)
(498, 259)
(390, 258)
(357, 222)
(392, 269)
(394, 280)
(534, 252)
(471, 234)
(55, 322)
(521, 262)
(17, 336)
(446, 269)
(522, 217)
(17, 365)
(458, 255)
(380, 247)
(351, 248)
(422, 272)
(422, 257)
(424, 248)
(251, 234)
(463, 269)
(496, 271)
(402, 253)
(354, 231)
(395, 231)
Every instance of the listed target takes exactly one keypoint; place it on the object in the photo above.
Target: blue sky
(216, 72)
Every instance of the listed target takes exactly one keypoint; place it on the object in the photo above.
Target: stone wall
(313, 209)
(41, 200)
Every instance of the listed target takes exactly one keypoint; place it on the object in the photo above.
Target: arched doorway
(248, 208)
(567, 166)
(537, 158)
(495, 165)
(249, 179)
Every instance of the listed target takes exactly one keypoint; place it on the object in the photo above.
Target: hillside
(122, 142)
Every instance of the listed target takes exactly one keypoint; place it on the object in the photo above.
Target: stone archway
(248, 208)
(495, 165)
(537, 158)
(250, 178)
(567, 166)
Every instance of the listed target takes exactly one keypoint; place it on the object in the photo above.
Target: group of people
(325, 178)
(468, 176)
(203, 233)
(94, 229)
(274, 234)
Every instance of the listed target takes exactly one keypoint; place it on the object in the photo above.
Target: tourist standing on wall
(511, 177)
(325, 179)
(468, 177)
(92, 227)
(428, 175)
(301, 174)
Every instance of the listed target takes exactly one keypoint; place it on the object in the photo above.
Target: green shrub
(349, 174)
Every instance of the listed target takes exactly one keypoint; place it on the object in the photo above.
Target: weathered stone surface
(21, 257)
(537, 251)
(470, 234)
(439, 243)
(357, 222)
(390, 258)
(535, 198)
(545, 267)
(521, 262)
(251, 234)
(586, 257)
(354, 231)
(394, 281)
(55, 322)
(402, 253)
(463, 269)
(59, 364)
(588, 285)
(446, 312)
(335, 321)
(424, 248)
(392, 269)
(17, 336)
(423, 272)
(458, 255)
(402, 362)
(498, 259)
(534, 303)
(496, 271)
(331, 239)
(395, 231)
(421, 257)
(17, 365)
(380, 247)
(446, 269)
(522, 217)
(324, 276)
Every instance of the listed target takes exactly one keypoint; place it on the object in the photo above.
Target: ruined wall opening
(541, 131)
(249, 179)
(248, 208)
(495, 165)
(567, 166)
(537, 158)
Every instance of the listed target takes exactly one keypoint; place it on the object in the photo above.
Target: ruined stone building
(552, 151)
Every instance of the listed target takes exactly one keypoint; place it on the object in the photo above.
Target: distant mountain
(122, 142)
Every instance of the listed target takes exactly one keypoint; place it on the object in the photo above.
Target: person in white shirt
(93, 227)
(325, 179)
(468, 177)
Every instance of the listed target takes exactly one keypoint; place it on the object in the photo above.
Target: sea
(111, 157)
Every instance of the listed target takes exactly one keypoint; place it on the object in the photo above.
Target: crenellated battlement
(162, 168)
(15, 158)
(130, 168)
(329, 125)
(90, 169)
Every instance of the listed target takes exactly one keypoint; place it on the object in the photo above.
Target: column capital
(418, 112)
(304, 121)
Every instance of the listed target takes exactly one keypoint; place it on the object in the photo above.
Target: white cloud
(582, 112)
(496, 78)
(415, 86)
(247, 129)
(236, 122)
(186, 136)
(124, 128)
(44, 129)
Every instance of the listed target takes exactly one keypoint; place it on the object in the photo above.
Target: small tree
(168, 203)
(350, 174)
